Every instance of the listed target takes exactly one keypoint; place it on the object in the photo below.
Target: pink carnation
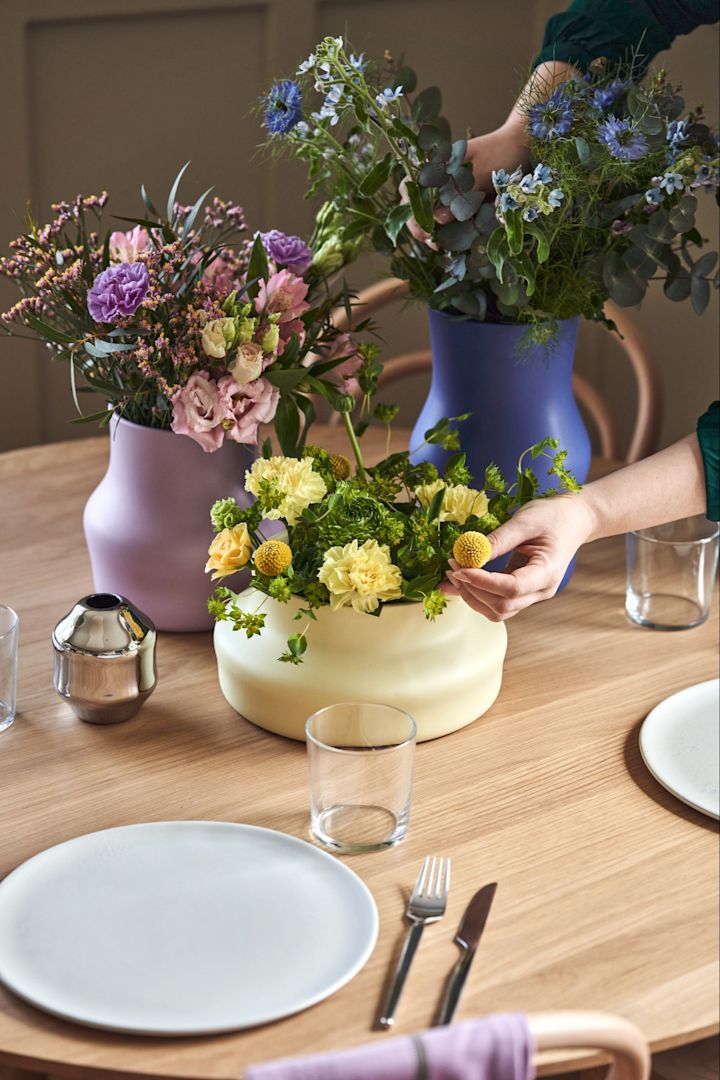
(282, 294)
(251, 404)
(199, 409)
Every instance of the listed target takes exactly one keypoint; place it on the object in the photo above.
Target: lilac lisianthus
(290, 251)
(118, 291)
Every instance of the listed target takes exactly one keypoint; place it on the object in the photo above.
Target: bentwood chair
(648, 412)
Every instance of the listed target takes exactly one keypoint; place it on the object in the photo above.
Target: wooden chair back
(613, 1035)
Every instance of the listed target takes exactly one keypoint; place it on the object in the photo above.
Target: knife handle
(387, 1018)
(454, 989)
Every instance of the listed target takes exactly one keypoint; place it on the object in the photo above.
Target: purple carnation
(118, 291)
(289, 251)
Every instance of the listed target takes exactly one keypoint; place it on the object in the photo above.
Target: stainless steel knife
(467, 937)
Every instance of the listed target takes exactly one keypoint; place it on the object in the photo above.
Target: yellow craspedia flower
(360, 576)
(296, 481)
(459, 502)
(340, 465)
(272, 558)
(229, 551)
(472, 550)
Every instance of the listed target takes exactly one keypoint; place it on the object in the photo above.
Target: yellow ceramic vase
(444, 673)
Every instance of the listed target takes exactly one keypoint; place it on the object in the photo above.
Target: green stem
(355, 444)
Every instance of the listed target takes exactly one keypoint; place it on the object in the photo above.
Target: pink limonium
(201, 408)
(126, 246)
(252, 404)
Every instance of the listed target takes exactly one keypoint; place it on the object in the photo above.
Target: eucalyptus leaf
(677, 287)
(659, 228)
(705, 264)
(465, 206)
(699, 294)
(405, 77)
(432, 175)
(682, 215)
(457, 235)
(430, 136)
(427, 104)
(582, 147)
(457, 156)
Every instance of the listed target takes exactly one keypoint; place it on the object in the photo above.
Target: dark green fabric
(618, 29)
(708, 433)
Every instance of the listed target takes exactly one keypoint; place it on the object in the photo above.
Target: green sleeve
(617, 29)
(708, 433)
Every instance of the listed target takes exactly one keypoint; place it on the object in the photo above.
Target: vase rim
(505, 325)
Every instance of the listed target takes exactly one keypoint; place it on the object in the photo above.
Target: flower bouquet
(608, 204)
(362, 542)
(183, 326)
(184, 323)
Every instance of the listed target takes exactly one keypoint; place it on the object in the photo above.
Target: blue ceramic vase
(517, 393)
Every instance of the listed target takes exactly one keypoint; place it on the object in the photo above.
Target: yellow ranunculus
(229, 551)
(459, 502)
(360, 575)
(296, 481)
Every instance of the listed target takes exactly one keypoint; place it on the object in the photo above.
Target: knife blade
(467, 938)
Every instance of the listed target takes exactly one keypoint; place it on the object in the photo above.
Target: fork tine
(445, 887)
(420, 883)
(431, 878)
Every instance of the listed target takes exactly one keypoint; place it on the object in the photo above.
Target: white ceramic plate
(680, 744)
(182, 927)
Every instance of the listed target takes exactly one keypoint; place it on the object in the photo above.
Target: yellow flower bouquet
(362, 537)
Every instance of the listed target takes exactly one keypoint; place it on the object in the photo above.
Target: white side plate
(182, 927)
(680, 744)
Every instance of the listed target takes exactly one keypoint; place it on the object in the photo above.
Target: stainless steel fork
(427, 904)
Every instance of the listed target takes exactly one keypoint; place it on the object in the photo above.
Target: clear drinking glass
(671, 572)
(8, 664)
(360, 758)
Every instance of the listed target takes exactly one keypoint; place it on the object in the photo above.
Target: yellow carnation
(295, 480)
(472, 550)
(459, 502)
(360, 575)
(229, 551)
(272, 558)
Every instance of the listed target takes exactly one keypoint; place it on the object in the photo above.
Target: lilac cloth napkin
(494, 1048)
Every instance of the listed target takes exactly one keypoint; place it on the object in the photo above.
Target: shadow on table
(649, 785)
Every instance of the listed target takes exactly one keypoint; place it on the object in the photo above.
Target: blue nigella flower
(622, 139)
(530, 213)
(389, 95)
(555, 197)
(604, 96)
(542, 173)
(552, 117)
(507, 202)
(283, 107)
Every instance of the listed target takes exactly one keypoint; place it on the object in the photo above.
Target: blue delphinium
(552, 117)
(283, 107)
(622, 139)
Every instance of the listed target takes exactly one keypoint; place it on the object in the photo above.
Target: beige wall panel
(106, 93)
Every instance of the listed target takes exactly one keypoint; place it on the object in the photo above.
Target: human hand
(505, 148)
(544, 535)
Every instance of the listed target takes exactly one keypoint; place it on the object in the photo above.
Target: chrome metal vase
(105, 658)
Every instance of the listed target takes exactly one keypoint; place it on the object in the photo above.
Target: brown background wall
(108, 93)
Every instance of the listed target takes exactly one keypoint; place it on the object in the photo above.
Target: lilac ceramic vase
(147, 523)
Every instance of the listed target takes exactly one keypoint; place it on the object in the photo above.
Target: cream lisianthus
(459, 502)
(360, 575)
(229, 551)
(295, 480)
(217, 337)
(248, 363)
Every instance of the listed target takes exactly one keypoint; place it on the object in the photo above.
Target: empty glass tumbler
(671, 573)
(8, 664)
(360, 759)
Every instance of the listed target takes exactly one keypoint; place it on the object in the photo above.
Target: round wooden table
(607, 885)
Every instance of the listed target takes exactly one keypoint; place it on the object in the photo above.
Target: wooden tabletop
(607, 894)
